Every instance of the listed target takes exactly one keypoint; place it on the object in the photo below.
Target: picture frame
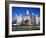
(9, 32)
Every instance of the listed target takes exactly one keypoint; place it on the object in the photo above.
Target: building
(27, 19)
(37, 19)
(19, 19)
(33, 19)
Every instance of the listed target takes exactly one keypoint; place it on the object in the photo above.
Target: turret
(27, 13)
(33, 19)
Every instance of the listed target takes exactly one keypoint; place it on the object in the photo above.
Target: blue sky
(22, 10)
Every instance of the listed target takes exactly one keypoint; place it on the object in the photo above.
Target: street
(25, 27)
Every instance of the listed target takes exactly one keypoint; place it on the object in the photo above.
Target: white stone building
(19, 19)
(37, 19)
(34, 19)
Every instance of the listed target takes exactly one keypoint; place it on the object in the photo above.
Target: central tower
(27, 13)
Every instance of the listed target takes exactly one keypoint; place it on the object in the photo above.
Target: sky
(22, 11)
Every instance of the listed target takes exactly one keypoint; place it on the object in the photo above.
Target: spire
(20, 15)
(32, 14)
(16, 15)
(36, 15)
(27, 12)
